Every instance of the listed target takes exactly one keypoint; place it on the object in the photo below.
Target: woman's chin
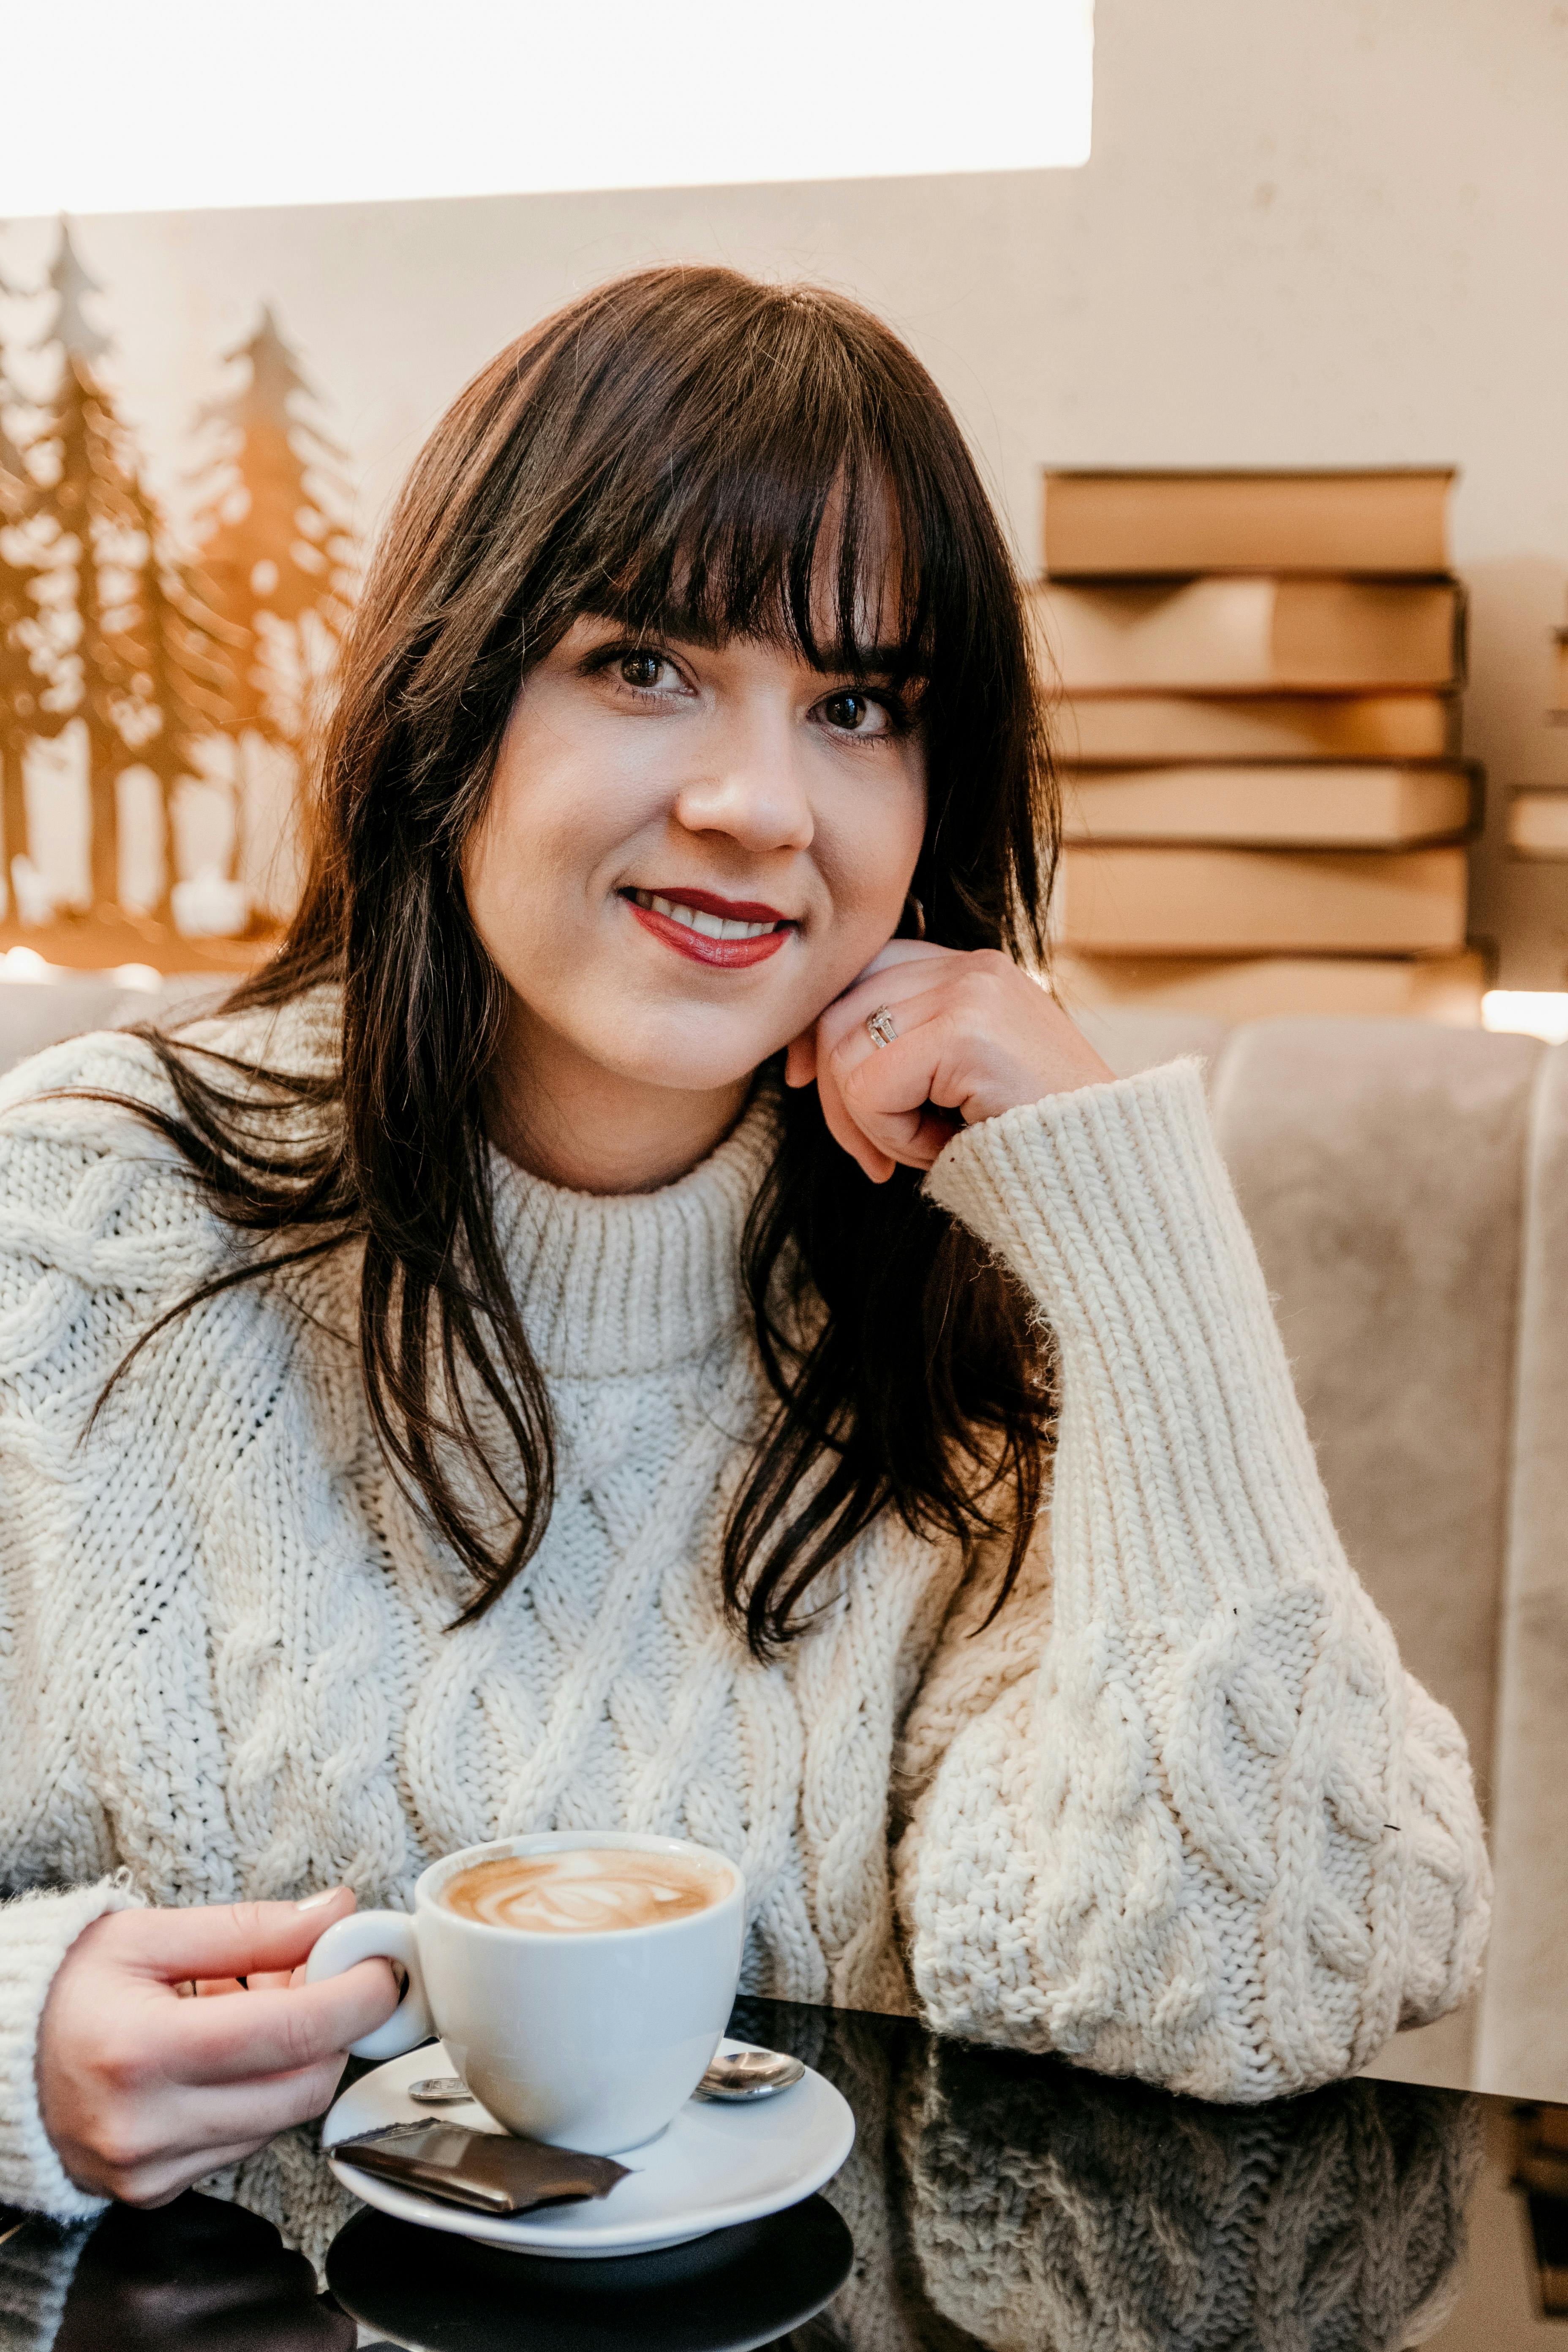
(690, 1048)
(679, 1059)
(703, 1075)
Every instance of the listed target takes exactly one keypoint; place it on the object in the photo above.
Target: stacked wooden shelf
(1265, 807)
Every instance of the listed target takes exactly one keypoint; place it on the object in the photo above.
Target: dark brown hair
(685, 450)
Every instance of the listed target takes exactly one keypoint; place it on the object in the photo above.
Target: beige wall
(1330, 232)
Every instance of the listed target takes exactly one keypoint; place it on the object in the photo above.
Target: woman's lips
(702, 946)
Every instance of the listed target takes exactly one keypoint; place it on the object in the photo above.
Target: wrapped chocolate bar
(492, 2171)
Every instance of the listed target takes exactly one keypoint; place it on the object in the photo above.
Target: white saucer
(716, 2165)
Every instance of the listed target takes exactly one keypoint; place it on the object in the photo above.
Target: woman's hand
(143, 2090)
(972, 1036)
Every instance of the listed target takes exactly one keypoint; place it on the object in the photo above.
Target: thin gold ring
(880, 1026)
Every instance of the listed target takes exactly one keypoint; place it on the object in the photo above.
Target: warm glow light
(1537, 1013)
(25, 964)
(156, 105)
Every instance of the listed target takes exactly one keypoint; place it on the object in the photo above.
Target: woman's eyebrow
(861, 662)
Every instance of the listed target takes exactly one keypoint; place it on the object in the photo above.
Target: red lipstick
(700, 946)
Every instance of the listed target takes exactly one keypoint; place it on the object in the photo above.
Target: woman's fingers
(143, 2088)
(191, 2124)
(802, 1059)
(212, 2116)
(906, 968)
(272, 2032)
(902, 971)
(876, 1095)
(217, 1941)
(898, 1095)
(965, 1034)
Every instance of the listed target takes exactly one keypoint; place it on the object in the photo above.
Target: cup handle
(372, 1936)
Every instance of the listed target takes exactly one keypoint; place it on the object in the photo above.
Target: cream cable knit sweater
(1178, 1812)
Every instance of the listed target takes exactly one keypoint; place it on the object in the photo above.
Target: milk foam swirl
(584, 1890)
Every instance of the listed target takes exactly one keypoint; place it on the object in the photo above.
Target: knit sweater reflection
(647, 1315)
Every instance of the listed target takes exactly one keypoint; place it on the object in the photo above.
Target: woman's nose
(754, 795)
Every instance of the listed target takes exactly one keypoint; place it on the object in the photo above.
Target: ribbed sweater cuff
(36, 1931)
(1112, 1206)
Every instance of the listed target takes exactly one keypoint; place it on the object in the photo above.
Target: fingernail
(314, 1901)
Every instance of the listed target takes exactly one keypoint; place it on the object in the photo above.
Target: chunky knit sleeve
(75, 1288)
(36, 1931)
(1214, 1834)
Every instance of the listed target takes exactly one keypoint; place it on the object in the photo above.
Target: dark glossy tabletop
(990, 2199)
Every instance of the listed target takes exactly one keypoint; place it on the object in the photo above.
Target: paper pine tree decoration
(159, 648)
(90, 507)
(19, 681)
(274, 534)
(75, 333)
(81, 543)
(19, 690)
(18, 491)
(181, 660)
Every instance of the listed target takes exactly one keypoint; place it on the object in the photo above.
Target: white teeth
(713, 927)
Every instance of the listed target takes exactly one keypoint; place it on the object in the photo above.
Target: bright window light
(1537, 1013)
(157, 105)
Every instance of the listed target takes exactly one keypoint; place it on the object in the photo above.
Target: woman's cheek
(874, 851)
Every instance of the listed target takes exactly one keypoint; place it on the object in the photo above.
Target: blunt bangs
(776, 478)
(826, 563)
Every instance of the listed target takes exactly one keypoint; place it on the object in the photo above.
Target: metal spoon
(749, 2075)
(734, 2075)
(441, 2091)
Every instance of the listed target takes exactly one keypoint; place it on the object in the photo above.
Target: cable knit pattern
(1220, 1838)
(1139, 1817)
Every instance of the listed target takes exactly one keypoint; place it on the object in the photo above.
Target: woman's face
(689, 850)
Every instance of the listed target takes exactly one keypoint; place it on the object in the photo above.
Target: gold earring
(914, 922)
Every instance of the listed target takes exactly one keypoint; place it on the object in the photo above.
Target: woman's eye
(855, 714)
(642, 670)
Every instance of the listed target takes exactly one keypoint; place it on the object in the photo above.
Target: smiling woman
(588, 1340)
(694, 587)
(657, 808)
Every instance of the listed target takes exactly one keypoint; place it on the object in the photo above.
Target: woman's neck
(574, 1123)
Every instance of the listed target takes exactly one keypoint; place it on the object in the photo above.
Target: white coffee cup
(590, 2041)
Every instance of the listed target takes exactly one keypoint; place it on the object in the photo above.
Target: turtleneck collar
(607, 1283)
(624, 1283)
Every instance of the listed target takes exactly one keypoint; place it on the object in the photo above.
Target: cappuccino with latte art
(585, 1890)
(588, 2019)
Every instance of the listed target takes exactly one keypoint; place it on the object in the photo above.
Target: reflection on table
(991, 2199)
